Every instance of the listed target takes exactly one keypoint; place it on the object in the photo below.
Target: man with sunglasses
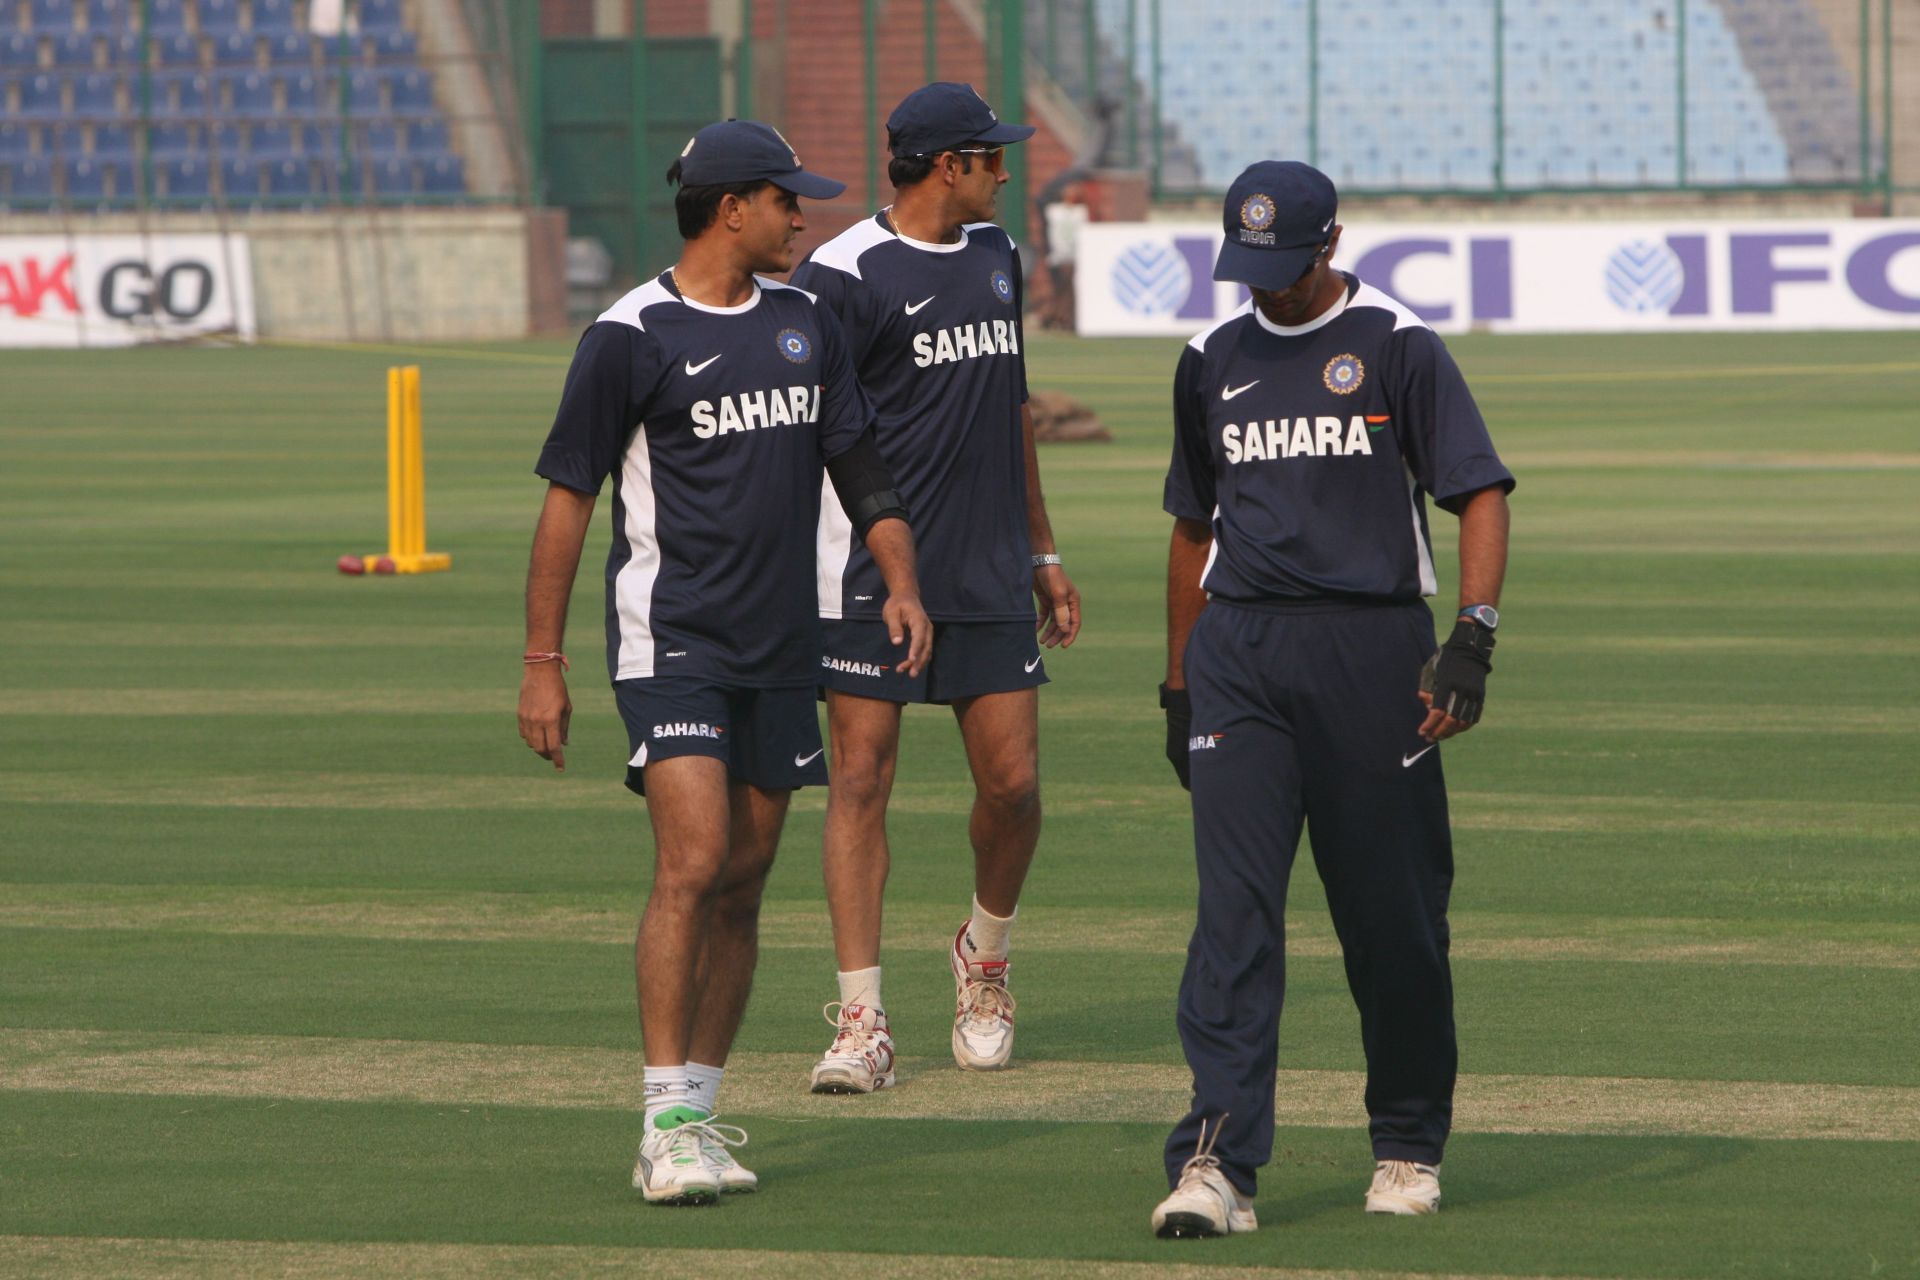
(1304, 689)
(928, 293)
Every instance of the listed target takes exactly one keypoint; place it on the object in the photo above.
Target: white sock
(860, 986)
(989, 933)
(666, 1088)
(703, 1086)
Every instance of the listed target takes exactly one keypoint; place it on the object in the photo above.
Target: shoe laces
(1203, 1161)
(713, 1138)
(855, 1037)
(1397, 1175)
(984, 1002)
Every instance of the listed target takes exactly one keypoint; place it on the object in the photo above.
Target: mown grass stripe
(773, 1084)
(1472, 810)
(70, 1256)
(507, 917)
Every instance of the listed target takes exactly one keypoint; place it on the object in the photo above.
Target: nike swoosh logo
(1407, 761)
(1228, 393)
(802, 761)
(1032, 665)
(914, 307)
(693, 368)
(1328, 227)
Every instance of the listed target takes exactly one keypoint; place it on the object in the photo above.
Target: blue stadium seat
(73, 50)
(86, 182)
(444, 176)
(395, 46)
(19, 50)
(167, 16)
(318, 139)
(290, 49)
(123, 181)
(235, 49)
(363, 94)
(108, 16)
(16, 141)
(240, 180)
(381, 15)
(427, 137)
(251, 95)
(186, 94)
(64, 142)
(51, 15)
(391, 178)
(411, 92)
(96, 97)
(223, 139)
(186, 180)
(171, 141)
(341, 178)
(177, 49)
(380, 140)
(41, 97)
(271, 141)
(112, 141)
(126, 49)
(302, 91)
(29, 182)
(273, 16)
(290, 180)
(219, 16)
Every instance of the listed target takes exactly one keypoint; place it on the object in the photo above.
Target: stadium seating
(1587, 102)
(228, 100)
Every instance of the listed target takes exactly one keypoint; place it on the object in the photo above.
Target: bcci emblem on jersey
(1344, 374)
(794, 346)
(1002, 286)
(1257, 213)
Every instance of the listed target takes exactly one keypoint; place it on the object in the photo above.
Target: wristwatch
(1042, 561)
(1484, 614)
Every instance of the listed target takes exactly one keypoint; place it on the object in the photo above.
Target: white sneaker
(1401, 1186)
(1204, 1203)
(982, 1010)
(860, 1059)
(673, 1167)
(715, 1138)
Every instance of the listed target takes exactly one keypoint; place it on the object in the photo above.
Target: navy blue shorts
(767, 737)
(969, 659)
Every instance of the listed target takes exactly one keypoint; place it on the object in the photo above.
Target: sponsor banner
(1154, 278)
(116, 290)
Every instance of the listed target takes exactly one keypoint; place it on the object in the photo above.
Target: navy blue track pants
(1310, 717)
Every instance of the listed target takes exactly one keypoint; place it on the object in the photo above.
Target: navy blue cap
(1277, 216)
(748, 151)
(943, 115)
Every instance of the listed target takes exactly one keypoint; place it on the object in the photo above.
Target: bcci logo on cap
(794, 346)
(1002, 286)
(1257, 213)
(1344, 374)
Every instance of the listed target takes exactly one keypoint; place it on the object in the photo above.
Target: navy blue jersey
(934, 332)
(1312, 450)
(715, 424)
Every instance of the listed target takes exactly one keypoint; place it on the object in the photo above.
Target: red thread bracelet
(561, 658)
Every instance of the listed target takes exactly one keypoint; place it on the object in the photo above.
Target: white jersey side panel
(633, 588)
(833, 545)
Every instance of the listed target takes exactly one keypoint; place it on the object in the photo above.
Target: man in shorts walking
(715, 400)
(928, 291)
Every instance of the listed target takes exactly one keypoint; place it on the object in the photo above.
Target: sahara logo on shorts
(850, 667)
(794, 346)
(1205, 742)
(1002, 286)
(688, 729)
(1344, 374)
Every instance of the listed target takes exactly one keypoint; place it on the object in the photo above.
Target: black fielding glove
(1179, 729)
(1456, 675)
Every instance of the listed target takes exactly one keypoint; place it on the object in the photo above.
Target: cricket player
(928, 291)
(714, 399)
(1303, 686)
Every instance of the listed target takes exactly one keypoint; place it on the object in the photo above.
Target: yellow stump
(406, 482)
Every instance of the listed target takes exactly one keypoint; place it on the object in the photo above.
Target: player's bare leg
(731, 943)
(1002, 736)
(865, 737)
(865, 745)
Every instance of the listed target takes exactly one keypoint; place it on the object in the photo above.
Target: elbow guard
(865, 486)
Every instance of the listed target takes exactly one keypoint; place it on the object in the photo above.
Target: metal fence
(1494, 97)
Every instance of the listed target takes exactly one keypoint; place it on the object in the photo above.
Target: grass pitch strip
(307, 967)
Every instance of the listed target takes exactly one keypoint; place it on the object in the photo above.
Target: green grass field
(307, 966)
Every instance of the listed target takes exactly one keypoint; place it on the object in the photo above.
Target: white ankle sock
(666, 1088)
(860, 986)
(989, 933)
(703, 1086)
